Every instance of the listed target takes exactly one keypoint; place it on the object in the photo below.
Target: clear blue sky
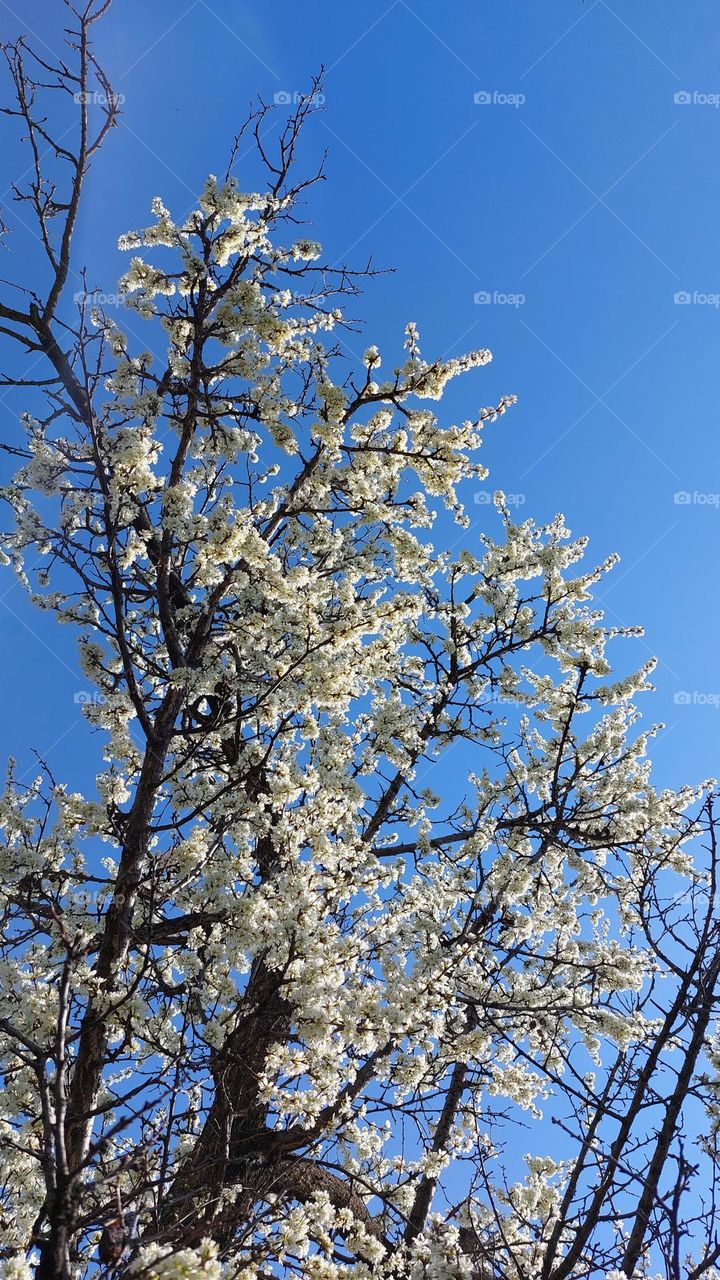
(597, 199)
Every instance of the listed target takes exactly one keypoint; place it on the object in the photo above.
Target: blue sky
(586, 185)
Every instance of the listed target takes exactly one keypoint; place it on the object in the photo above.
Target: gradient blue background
(596, 199)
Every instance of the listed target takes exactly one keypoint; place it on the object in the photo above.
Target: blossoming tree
(270, 1007)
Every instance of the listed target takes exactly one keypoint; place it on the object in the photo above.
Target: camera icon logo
(682, 98)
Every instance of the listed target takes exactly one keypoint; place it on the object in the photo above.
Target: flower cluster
(267, 943)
